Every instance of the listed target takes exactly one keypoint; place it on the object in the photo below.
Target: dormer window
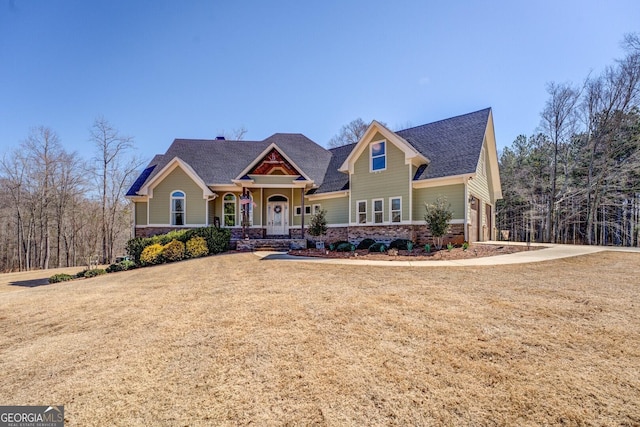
(378, 154)
(177, 208)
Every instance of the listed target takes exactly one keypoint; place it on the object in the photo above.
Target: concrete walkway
(549, 252)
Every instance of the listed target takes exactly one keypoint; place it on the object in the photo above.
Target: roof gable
(270, 159)
(411, 155)
(453, 145)
(176, 162)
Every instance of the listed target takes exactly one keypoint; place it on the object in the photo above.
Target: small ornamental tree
(318, 225)
(437, 217)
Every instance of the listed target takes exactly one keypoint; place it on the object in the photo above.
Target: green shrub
(196, 247)
(94, 272)
(427, 248)
(365, 243)
(400, 244)
(437, 217)
(335, 245)
(135, 247)
(449, 246)
(410, 246)
(60, 277)
(151, 255)
(173, 251)
(465, 246)
(345, 247)
(121, 266)
(378, 247)
(217, 238)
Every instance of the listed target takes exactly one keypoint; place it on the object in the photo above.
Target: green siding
(392, 182)
(159, 205)
(337, 210)
(479, 187)
(141, 213)
(454, 194)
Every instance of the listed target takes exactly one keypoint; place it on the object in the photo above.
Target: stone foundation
(333, 234)
(420, 234)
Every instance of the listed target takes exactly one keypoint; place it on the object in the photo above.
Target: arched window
(177, 208)
(229, 210)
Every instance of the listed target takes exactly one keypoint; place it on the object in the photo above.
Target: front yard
(234, 340)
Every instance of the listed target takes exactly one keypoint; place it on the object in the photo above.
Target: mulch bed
(474, 251)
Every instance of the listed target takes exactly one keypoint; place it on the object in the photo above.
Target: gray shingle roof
(452, 145)
(220, 161)
(334, 180)
(144, 175)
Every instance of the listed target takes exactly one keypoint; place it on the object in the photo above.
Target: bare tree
(349, 133)
(116, 167)
(559, 124)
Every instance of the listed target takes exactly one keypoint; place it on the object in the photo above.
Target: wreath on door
(277, 209)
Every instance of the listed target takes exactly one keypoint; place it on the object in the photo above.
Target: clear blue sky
(159, 70)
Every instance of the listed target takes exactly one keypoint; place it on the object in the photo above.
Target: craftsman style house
(376, 188)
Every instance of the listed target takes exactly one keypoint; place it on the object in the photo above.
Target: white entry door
(277, 218)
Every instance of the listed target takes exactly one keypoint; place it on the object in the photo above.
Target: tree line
(578, 179)
(59, 210)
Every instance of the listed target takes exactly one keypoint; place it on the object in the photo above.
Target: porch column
(302, 211)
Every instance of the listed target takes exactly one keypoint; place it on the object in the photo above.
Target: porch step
(269, 244)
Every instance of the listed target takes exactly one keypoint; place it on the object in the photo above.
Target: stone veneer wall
(333, 234)
(152, 231)
(420, 234)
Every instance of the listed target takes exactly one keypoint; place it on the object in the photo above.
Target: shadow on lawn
(33, 283)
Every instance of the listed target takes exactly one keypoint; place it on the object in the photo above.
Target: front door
(277, 218)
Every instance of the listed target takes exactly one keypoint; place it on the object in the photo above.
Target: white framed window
(378, 211)
(395, 209)
(362, 211)
(229, 210)
(378, 155)
(298, 210)
(316, 208)
(178, 200)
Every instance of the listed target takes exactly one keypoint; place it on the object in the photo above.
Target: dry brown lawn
(233, 340)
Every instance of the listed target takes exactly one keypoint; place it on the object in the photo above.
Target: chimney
(220, 138)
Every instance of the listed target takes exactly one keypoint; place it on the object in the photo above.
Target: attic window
(378, 154)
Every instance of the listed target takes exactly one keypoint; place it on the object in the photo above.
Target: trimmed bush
(152, 254)
(95, 272)
(121, 266)
(334, 246)
(173, 251)
(365, 243)
(345, 247)
(217, 238)
(400, 244)
(135, 247)
(378, 247)
(196, 247)
(60, 277)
